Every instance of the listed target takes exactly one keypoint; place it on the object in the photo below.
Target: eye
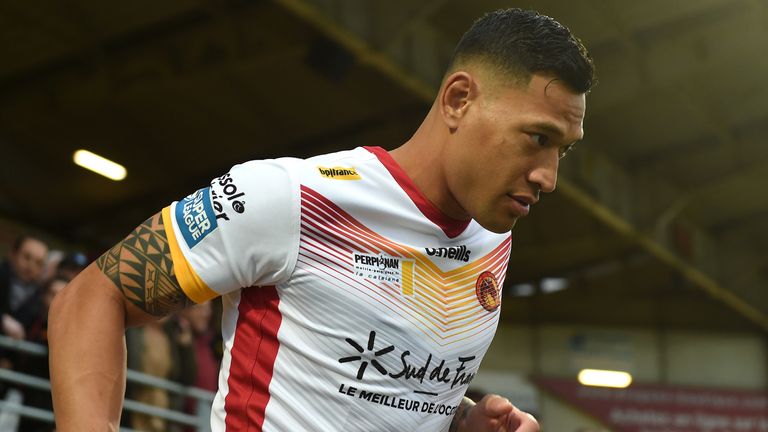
(564, 150)
(540, 139)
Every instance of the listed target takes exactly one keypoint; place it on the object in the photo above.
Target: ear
(456, 96)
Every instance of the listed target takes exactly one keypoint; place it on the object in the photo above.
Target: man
(374, 276)
(19, 306)
(20, 283)
(37, 332)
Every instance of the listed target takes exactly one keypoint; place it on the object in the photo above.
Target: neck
(420, 158)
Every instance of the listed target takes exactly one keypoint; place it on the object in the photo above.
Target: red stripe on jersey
(253, 358)
(450, 226)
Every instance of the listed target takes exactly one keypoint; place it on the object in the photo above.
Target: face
(199, 316)
(506, 144)
(29, 260)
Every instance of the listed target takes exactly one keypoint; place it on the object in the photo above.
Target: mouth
(521, 205)
(522, 202)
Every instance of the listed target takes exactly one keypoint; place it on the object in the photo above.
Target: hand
(13, 328)
(496, 414)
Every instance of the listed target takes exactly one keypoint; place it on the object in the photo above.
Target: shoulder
(338, 165)
(342, 165)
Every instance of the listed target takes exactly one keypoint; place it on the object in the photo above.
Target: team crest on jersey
(487, 291)
(339, 173)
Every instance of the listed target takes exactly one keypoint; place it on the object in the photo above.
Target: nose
(544, 174)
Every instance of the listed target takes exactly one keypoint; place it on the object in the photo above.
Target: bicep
(141, 268)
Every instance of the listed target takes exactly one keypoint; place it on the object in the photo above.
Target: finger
(496, 406)
(513, 421)
(522, 422)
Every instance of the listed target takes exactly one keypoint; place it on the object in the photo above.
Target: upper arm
(141, 268)
(130, 284)
(240, 231)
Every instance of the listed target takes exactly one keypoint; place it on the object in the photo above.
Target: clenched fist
(493, 414)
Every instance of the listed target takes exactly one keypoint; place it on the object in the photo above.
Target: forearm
(458, 424)
(87, 354)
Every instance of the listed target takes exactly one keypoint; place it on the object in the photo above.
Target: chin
(498, 226)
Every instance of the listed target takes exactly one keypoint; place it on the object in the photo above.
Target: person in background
(72, 264)
(163, 349)
(20, 276)
(20, 281)
(37, 332)
(63, 266)
(51, 266)
(207, 360)
(178, 348)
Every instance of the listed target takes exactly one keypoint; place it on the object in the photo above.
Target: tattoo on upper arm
(142, 269)
(461, 414)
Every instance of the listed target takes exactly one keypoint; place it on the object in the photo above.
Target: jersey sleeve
(240, 231)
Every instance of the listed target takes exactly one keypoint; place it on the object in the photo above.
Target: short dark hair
(522, 42)
(20, 240)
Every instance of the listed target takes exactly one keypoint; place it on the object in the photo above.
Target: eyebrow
(551, 128)
(548, 127)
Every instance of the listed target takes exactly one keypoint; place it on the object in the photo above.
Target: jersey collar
(450, 226)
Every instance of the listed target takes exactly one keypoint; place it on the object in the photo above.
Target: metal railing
(203, 397)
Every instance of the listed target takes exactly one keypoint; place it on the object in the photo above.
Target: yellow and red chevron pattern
(443, 304)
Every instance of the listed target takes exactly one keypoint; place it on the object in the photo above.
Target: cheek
(472, 165)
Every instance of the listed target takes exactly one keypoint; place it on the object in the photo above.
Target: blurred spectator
(180, 348)
(205, 344)
(163, 349)
(72, 264)
(199, 317)
(149, 351)
(29, 279)
(19, 286)
(51, 264)
(19, 281)
(37, 332)
(63, 264)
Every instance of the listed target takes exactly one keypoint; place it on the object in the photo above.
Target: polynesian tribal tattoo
(461, 414)
(142, 269)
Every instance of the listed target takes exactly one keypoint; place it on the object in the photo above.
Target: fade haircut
(518, 43)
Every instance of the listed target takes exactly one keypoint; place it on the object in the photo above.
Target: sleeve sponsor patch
(339, 173)
(195, 217)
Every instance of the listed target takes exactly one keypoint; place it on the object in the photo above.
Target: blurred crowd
(185, 347)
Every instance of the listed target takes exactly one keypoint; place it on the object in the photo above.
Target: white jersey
(366, 308)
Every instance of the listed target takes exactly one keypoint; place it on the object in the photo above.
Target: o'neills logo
(460, 253)
(339, 173)
(487, 290)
